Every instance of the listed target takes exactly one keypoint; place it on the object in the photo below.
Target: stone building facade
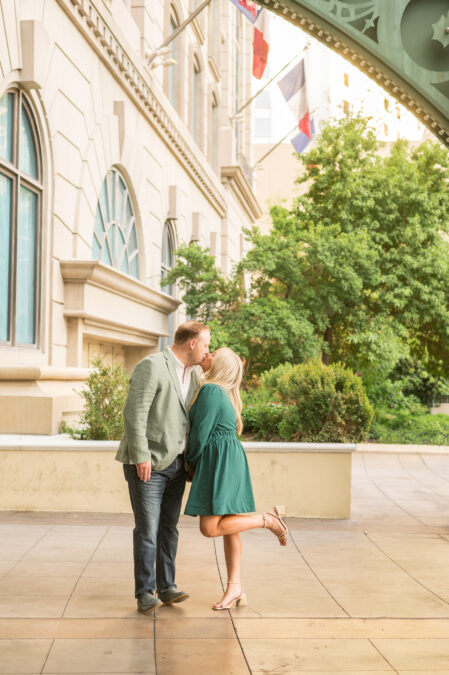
(106, 164)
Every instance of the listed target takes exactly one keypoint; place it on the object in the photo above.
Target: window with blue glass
(20, 216)
(167, 262)
(115, 237)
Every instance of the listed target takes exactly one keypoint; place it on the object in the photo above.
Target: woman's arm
(205, 415)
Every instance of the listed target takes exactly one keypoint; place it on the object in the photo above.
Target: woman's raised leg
(219, 526)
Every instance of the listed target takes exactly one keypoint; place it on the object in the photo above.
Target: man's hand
(144, 470)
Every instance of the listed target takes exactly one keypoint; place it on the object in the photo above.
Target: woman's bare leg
(232, 545)
(219, 526)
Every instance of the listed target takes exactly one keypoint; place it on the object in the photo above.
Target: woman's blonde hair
(227, 371)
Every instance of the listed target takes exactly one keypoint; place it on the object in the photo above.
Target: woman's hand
(190, 471)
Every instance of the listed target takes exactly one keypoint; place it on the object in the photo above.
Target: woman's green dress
(221, 482)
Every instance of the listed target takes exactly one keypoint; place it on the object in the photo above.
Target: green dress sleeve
(204, 417)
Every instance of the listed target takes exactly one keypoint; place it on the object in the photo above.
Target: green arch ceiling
(403, 45)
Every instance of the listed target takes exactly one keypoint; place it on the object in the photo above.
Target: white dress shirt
(184, 374)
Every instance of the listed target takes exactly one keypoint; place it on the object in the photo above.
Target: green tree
(358, 267)
(263, 329)
(363, 253)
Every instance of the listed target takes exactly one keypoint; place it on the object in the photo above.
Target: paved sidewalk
(370, 594)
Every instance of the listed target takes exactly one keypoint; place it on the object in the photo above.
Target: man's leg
(146, 501)
(168, 531)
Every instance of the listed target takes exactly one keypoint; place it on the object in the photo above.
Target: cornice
(133, 76)
(112, 280)
(115, 331)
(236, 179)
(31, 373)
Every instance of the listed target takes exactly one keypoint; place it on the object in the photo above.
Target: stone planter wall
(58, 474)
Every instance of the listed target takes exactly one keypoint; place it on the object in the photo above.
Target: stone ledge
(65, 443)
(397, 448)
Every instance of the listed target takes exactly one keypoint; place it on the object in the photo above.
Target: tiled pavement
(370, 594)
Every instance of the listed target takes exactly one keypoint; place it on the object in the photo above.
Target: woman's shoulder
(211, 387)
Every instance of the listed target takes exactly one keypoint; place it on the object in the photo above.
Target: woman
(221, 485)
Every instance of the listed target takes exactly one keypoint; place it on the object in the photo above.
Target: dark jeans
(156, 505)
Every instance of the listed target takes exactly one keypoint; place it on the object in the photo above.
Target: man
(152, 451)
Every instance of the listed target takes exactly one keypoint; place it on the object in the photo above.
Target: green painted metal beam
(403, 45)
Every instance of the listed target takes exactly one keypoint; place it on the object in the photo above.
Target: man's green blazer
(156, 417)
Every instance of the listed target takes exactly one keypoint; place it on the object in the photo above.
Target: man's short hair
(189, 330)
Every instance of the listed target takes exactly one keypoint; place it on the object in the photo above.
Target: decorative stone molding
(198, 29)
(32, 373)
(234, 178)
(35, 53)
(137, 82)
(214, 68)
(100, 275)
(102, 303)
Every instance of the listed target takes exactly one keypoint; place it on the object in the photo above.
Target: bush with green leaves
(327, 404)
(261, 420)
(104, 398)
(402, 426)
(318, 404)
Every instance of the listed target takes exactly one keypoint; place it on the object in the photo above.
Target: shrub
(269, 380)
(309, 402)
(263, 390)
(262, 419)
(104, 398)
(404, 427)
(326, 404)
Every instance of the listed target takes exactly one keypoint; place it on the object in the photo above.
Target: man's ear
(192, 344)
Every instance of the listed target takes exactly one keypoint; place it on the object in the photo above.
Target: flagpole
(259, 161)
(250, 100)
(176, 32)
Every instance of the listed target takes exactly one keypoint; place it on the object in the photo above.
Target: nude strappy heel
(276, 513)
(241, 601)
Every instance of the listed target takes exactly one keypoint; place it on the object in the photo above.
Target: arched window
(20, 220)
(168, 254)
(196, 100)
(174, 49)
(167, 262)
(213, 133)
(115, 236)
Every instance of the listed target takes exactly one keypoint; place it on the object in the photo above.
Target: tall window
(196, 100)
(167, 262)
(213, 134)
(115, 237)
(237, 81)
(20, 216)
(168, 254)
(214, 30)
(172, 70)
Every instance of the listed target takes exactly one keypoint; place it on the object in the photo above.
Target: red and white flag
(250, 9)
(294, 90)
(261, 43)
